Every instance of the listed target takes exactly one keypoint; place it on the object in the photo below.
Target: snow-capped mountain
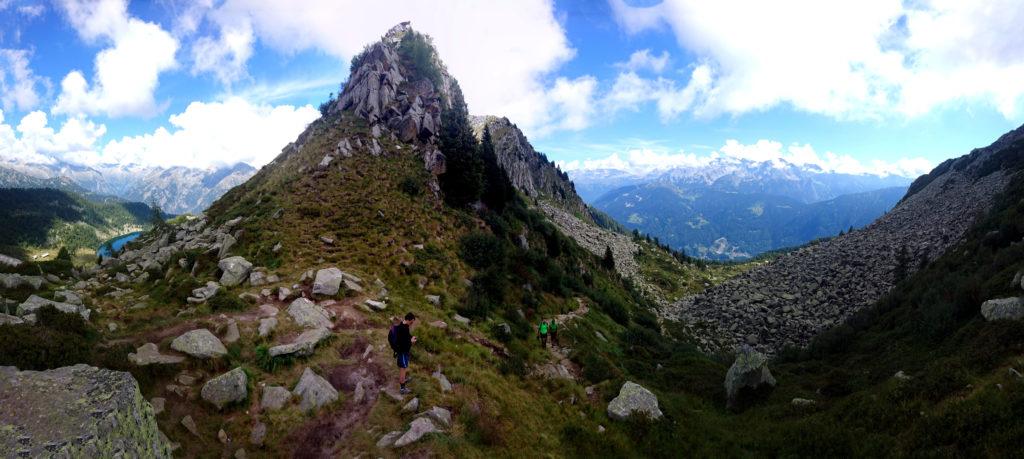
(176, 189)
(805, 183)
(729, 208)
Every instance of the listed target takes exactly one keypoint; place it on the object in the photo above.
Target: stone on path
(417, 429)
(227, 388)
(314, 390)
(258, 434)
(275, 398)
(231, 335)
(149, 354)
(190, 425)
(304, 345)
(412, 406)
(199, 343)
(235, 271)
(308, 314)
(634, 399)
(267, 326)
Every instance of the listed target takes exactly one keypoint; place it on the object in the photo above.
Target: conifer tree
(462, 181)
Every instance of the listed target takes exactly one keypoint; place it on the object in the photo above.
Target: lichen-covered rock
(327, 282)
(77, 411)
(304, 345)
(417, 429)
(308, 314)
(634, 399)
(314, 390)
(1003, 308)
(199, 343)
(235, 271)
(34, 303)
(749, 371)
(227, 388)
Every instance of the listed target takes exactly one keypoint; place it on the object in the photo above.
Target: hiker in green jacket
(543, 329)
(553, 330)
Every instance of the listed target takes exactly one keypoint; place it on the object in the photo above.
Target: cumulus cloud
(226, 55)
(847, 60)
(630, 91)
(503, 53)
(126, 73)
(19, 87)
(644, 60)
(205, 135)
(642, 161)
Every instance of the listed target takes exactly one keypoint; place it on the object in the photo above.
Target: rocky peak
(529, 170)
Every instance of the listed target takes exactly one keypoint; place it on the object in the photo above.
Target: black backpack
(393, 338)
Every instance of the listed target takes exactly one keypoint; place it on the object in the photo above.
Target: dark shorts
(403, 360)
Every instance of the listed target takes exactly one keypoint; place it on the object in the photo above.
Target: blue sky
(877, 86)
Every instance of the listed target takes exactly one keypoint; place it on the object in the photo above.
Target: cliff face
(77, 411)
(530, 171)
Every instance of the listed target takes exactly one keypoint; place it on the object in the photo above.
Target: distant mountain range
(731, 209)
(176, 190)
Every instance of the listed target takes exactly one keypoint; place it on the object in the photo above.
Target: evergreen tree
(462, 181)
(497, 187)
(609, 259)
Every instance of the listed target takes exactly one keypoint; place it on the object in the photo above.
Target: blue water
(118, 243)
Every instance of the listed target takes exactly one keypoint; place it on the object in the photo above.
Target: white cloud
(630, 91)
(502, 53)
(127, 73)
(32, 11)
(644, 60)
(205, 135)
(225, 56)
(641, 161)
(847, 60)
(19, 86)
(213, 134)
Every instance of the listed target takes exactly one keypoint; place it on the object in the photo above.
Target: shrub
(411, 186)
(224, 301)
(57, 340)
(481, 250)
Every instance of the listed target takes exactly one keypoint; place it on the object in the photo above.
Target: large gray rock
(199, 343)
(235, 271)
(314, 391)
(749, 371)
(633, 399)
(1003, 308)
(34, 303)
(275, 398)
(149, 354)
(227, 388)
(77, 411)
(6, 319)
(14, 281)
(267, 326)
(327, 282)
(417, 429)
(304, 345)
(308, 314)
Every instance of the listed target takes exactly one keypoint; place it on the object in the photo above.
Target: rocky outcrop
(33, 303)
(800, 294)
(749, 372)
(77, 411)
(304, 345)
(307, 314)
(634, 399)
(327, 282)
(235, 271)
(529, 171)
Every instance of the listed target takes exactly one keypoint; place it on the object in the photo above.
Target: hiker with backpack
(553, 331)
(543, 330)
(401, 340)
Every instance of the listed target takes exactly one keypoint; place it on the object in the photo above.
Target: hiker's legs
(401, 375)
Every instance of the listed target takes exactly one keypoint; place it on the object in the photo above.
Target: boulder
(76, 411)
(34, 303)
(442, 380)
(439, 415)
(308, 314)
(376, 305)
(304, 345)
(6, 319)
(412, 406)
(634, 399)
(149, 354)
(231, 335)
(225, 246)
(1003, 308)
(235, 271)
(749, 371)
(201, 294)
(461, 320)
(417, 429)
(433, 299)
(227, 388)
(314, 391)
(388, 440)
(190, 425)
(275, 398)
(327, 282)
(199, 343)
(257, 278)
